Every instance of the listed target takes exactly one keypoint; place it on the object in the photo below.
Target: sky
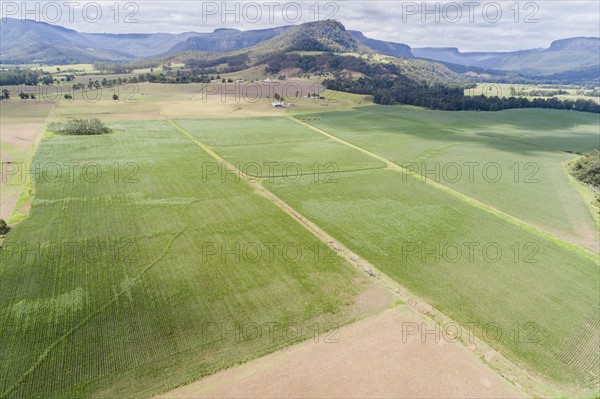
(468, 25)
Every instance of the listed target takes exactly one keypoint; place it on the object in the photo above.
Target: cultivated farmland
(475, 263)
(163, 259)
(512, 160)
(148, 260)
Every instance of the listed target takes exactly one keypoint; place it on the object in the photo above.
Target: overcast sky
(468, 25)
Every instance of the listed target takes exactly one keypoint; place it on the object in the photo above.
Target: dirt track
(369, 361)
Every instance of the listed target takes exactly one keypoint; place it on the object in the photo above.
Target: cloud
(469, 25)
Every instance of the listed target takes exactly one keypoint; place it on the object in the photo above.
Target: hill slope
(563, 55)
(39, 42)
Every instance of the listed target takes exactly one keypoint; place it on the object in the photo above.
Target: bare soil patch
(22, 135)
(17, 141)
(369, 360)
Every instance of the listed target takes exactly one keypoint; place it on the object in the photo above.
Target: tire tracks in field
(70, 332)
(391, 165)
(492, 358)
(511, 140)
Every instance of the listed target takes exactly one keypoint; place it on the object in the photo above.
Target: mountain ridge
(576, 53)
(23, 42)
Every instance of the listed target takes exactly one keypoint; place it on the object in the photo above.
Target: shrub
(3, 227)
(80, 127)
(587, 169)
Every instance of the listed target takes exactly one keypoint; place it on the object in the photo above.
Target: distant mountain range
(563, 55)
(23, 42)
(38, 42)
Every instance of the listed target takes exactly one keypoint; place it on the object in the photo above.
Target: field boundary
(472, 201)
(536, 386)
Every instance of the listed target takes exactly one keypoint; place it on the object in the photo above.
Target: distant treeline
(389, 90)
(234, 63)
(178, 76)
(18, 76)
(328, 62)
(389, 84)
(107, 67)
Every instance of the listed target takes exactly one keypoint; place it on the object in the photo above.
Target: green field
(276, 148)
(115, 283)
(511, 160)
(540, 287)
(107, 289)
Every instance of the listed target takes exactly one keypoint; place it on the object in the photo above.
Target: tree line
(388, 90)
(30, 77)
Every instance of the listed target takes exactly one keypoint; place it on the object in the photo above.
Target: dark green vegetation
(587, 168)
(80, 127)
(392, 88)
(3, 227)
(19, 76)
(539, 292)
(117, 286)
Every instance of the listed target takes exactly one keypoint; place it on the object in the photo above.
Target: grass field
(537, 288)
(138, 271)
(70, 68)
(270, 148)
(512, 160)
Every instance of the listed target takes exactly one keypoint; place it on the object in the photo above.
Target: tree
(277, 96)
(3, 227)
(23, 96)
(5, 94)
(80, 127)
(115, 97)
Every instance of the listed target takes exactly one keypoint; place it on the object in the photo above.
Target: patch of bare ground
(371, 358)
(17, 145)
(21, 135)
